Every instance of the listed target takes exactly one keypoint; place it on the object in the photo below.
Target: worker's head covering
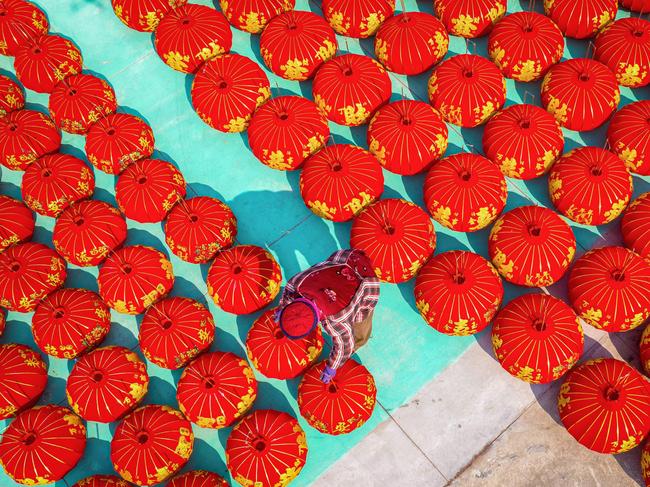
(298, 318)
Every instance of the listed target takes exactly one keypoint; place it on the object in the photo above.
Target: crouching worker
(341, 293)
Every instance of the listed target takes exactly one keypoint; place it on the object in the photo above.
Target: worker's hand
(328, 374)
(276, 314)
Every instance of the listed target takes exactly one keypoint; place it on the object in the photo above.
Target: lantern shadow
(106, 196)
(96, 459)
(414, 187)
(255, 48)
(530, 92)
(577, 48)
(96, 74)
(189, 79)
(137, 236)
(204, 457)
(641, 185)
(121, 335)
(418, 85)
(244, 324)
(37, 107)
(225, 342)
(187, 289)
(20, 332)
(132, 111)
(407, 290)
(269, 397)
(627, 345)
(473, 138)
(81, 278)
(54, 392)
(525, 5)
(629, 463)
(161, 392)
(42, 235)
(76, 152)
(10, 189)
(11, 75)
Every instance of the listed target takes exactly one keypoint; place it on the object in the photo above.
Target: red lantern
(151, 444)
(216, 389)
(608, 288)
(31, 271)
(644, 350)
(143, 15)
(629, 138)
(23, 378)
(106, 384)
(80, 101)
(16, 222)
(603, 404)
(198, 478)
(12, 96)
(357, 18)
(227, 90)
(244, 279)
(117, 140)
(189, 35)
(645, 453)
(285, 131)
(174, 331)
(54, 182)
(69, 322)
(641, 6)
(26, 135)
(275, 355)
(341, 406)
(590, 185)
(531, 246)
(3, 321)
(411, 43)
(523, 140)
(44, 61)
(349, 88)
(635, 226)
(296, 43)
(465, 192)
(580, 93)
(537, 338)
(397, 236)
(148, 189)
(581, 19)
(133, 278)
(524, 45)
(87, 231)
(339, 181)
(19, 22)
(199, 227)
(470, 18)
(458, 292)
(266, 448)
(102, 481)
(253, 15)
(467, 89)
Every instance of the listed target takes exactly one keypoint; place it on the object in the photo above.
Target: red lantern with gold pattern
(608, 288)
(285, 131)
(3, 320)
(590, 185)
(581, 19)
(635, 226)
(349, 88)
(296, 43)
(341, 406)
(19, 22)
(411, 43)
(357, 18)
(523, 140)
(151, 444)
(524, 45)
(148, 189)
(580, 93)
(69, 322)
(23, 377)
(81, 100)
(277, 356)
(644, 350)
(42, 445)
(102, 481)
(470, 18)
(30, 272)
(266, 448)
(143, 15)
(44, 61)
(253, 15)
(133, 278)
(645, 453)
(465, 192)
(117, 140)
(189, 35)
(603, 404)
(467, 89)
(12, 96)
(26, 135)
(174, 331)
(458, 292)
(340, 180)
(198, 478)
(16, 222)
(531, 246)
(641, 6)
(216, 389)
(537, 338)
(244, 279)
(54, 182)
(628, 136)
(199, 227)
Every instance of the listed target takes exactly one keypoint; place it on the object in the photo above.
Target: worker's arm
(342, 343)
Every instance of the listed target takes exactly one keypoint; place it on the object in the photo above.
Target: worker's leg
(362, 331)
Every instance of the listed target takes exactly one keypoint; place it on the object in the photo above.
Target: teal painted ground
(404, 353)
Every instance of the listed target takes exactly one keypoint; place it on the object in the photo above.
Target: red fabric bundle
(641, 6)
(12, 95)
(628, 136)
(349, 88)
(608, 288)
(216, 389)
(16, 222)
(531, 246)
(198, 478)
(253, 15)
(285, 131)
(102, 481)
(19, 22)
(467, 89)
(644, 350)
(143, 15)
(174, 331)
(244, 279)
(590, 185)
(470, 18)
(581, 19)
(357, 18)
(635, 226)
(70, 322)
(458, 292)
(23, 377)
(340, 180)
(26, 135)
